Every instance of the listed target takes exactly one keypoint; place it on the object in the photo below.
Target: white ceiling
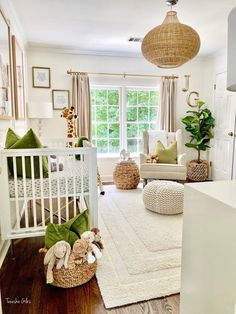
(104, 26)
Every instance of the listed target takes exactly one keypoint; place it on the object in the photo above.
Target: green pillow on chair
(167, 155)
(69, 231)
(29, 140)
(11, 138)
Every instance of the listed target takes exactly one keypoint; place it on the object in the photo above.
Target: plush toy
(89, 236)
(152, 159)
(81, 252)
(97, 238)
(59, 253)
(70, 116)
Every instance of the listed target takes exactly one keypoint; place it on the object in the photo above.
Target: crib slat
(58, 192)
(82, 180)
(66, 183)
(50, 189)
(41, 190)
(25, 193)
(74, 183)
(33, 191)
(16, 194)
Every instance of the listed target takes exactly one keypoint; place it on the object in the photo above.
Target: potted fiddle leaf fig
(199, 123)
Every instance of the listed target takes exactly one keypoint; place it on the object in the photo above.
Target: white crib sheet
(72, 174)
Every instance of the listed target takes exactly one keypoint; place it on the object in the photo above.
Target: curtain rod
(121, 74)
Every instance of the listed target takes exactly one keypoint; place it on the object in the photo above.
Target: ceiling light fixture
(172, 43)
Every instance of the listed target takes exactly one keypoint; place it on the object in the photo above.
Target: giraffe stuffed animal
(70, 116)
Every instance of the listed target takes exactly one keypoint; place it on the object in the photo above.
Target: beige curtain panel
(81, 102)
(167, 109)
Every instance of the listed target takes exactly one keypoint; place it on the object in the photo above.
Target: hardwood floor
(24, 290)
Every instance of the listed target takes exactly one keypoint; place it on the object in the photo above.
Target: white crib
(27, 205)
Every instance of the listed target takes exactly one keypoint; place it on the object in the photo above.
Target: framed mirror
(18, 75)
(6, 108)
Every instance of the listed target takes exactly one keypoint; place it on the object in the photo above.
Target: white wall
(60, 62)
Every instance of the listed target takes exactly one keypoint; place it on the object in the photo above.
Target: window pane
(154, 98)
(92, 94)
(102, 146)
(93, 113)
(153, 126)
(101, 113)
(145, 117)
(113, 97)
(131, 97)
(143, 127)
(114, 130)
(153, 114)
(113, 113)
(131, 114)
(114, 146)
(132, 130)
(94, 143)
(140, 145)
(101, 97)
(105, 119)
(143, 98)
(102, 130)
(94, 131)
(143, 114)
(132, 145)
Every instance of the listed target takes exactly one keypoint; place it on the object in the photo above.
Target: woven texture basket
(171, 44)
(197, 171)
(69, 278)
(126, 175)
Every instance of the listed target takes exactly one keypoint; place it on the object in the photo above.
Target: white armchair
(160, 170)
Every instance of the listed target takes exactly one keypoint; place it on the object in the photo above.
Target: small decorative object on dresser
(126, 175)
(41, 77)
(200, 124)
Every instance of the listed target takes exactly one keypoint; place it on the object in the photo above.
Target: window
(141, 115)
(120, 115)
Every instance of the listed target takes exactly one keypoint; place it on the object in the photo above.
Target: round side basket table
(126, 175)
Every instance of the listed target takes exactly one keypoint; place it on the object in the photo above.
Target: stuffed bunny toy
(58, 252)
(97, 238)
(89, 236)
(81, 252)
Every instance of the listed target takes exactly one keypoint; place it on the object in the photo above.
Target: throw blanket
(154, 136)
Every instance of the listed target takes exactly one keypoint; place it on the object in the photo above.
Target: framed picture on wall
(19, 82)
(60, 99)
(41, 77)
(6, 107)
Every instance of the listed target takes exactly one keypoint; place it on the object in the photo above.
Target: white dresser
(208, 283)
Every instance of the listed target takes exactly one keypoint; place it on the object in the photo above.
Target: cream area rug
(142, 255)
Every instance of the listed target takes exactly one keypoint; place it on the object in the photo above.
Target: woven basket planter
(69, 278)
(126, 176)
(197, 171)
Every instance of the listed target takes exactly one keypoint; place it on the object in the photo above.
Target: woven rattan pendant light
(171, 44)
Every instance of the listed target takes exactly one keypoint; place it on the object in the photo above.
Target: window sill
(115, 156)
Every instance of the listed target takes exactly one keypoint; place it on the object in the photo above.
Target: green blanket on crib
(70, 231)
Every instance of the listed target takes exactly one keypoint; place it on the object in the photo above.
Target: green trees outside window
(138, 113)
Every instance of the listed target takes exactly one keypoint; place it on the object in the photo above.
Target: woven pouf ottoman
(164, 197)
